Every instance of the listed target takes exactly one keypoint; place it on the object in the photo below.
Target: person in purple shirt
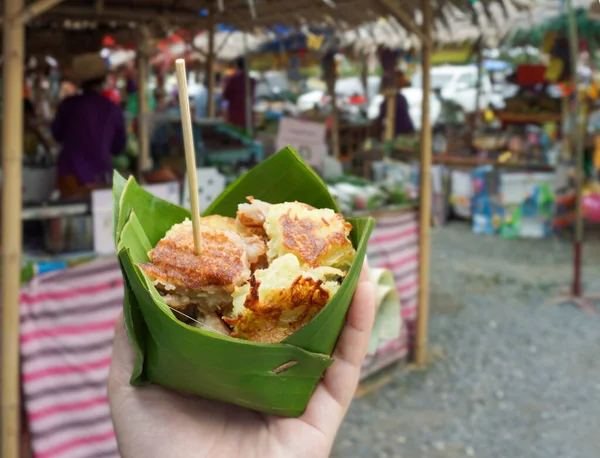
(402, 121)
(235, 96)
(90, 128)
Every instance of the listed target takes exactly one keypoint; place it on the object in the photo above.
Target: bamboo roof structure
(450, 16)
(452, 25)
(76, 26)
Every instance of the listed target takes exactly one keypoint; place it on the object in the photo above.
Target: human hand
(156, 422)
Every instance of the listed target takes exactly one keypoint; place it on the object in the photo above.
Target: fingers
(342, 377)
(332, 397)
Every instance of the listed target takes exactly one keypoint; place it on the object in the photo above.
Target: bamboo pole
(247, 88)
(390, 114)
(12, 237)
(421, 350)
(404, 18)
(364, 77)
(335, 124)
(143, 103)
(577, 142)
(331, 77)
(477, 119)
(34, 9)
(210, 65)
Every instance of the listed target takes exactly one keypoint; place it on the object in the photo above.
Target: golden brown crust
(264, 321)
(222, 262)
(303, 237)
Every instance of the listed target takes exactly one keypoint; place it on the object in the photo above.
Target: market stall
(34, 379)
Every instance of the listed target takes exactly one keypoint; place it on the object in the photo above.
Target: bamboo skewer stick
(190, 154)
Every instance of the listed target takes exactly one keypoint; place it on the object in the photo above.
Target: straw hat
(86, 67)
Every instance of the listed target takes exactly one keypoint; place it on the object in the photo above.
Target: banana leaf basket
(272, 378)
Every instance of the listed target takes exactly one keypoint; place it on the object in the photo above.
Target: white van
(458, 83)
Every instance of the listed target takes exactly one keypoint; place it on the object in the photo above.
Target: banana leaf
(273, 378)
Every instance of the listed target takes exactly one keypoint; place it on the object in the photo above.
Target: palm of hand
(156, 422)
(165, 423)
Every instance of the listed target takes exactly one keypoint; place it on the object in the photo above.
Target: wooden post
(34, 9)
(390, 114)
(477, 119)
(577, 142)
(330, 80)
(248, 88)
(210, 65)
(335, 124)
(12, 243)
(364, 76)
(425, 195)
(143, 102)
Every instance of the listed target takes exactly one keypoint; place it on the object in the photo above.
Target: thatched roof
(531, 25)
(75, 26)
(452, 25)
(248, 15)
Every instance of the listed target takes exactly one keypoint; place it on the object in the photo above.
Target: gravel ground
(511, 376)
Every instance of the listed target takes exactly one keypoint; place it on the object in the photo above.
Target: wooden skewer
(190, 154)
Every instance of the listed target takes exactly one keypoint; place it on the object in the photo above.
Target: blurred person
(147, 419)
(235, 95)
(32, 137)
(201, 100)
(402, 121)
(67, 89)
(90, 129)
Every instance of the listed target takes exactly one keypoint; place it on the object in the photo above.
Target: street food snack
(251, 314)
(265, 274)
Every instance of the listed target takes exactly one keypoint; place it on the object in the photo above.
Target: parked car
(350, 94)
(270, 85)
(458, 83)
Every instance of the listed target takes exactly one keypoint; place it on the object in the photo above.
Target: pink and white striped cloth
(67, 327)
(394, 245)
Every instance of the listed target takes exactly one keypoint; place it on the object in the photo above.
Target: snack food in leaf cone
(254, 317)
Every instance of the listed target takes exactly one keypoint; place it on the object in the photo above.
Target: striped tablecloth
(394, 245)
(67, 327)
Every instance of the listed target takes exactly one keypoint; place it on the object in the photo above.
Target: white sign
(462, 192)
(210, 185)
(102, 220)
(166, 191)
(308, 138)
(102, 212)
(300, 130)
(517, 186)
(313, 154)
